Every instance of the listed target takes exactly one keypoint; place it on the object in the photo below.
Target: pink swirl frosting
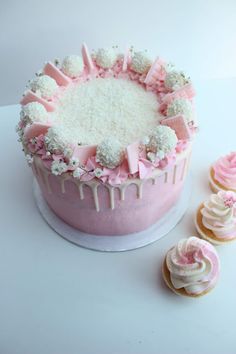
(225, 171)
(193, 265)
(219, 214)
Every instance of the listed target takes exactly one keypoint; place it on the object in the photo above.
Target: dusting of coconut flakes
(100, 108)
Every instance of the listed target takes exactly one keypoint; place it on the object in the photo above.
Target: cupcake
(216, 218)
(223, 173)
(191, 268)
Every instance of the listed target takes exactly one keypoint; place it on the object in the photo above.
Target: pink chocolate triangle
(154, 71)
(51, 70)
(187, 91)
(126, 60)
(133, 157)
(87, 59)
(32, 97)
(178, 124)
(83, 153)
(36, 129)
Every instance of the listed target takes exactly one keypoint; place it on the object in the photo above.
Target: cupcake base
(215, 185)
(119, 242)
(207, 234)
(182, 291)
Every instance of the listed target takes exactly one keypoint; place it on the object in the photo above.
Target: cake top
(114, 112)
(106, 107)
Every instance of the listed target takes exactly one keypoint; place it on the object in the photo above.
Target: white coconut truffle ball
(72, 65)
(175, 80)
(55, 139)
(44, 85)
(181, 106)
(162, 140)
(106, 58)
(110, 153)
(140, 62)
(34, 112)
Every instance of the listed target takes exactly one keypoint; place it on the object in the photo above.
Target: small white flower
(58, 167)
(29, 159)
(98, 172)
(73, 162)
(48, 153)
(78, 172)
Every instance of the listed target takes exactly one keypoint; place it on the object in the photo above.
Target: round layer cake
(108, 137)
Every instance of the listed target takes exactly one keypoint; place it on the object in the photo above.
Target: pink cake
(108, 137)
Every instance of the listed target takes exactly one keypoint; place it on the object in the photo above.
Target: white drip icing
(174, 174)
(166, 177)
(43, 174)
(183, 170)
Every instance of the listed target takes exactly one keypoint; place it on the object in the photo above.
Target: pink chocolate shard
(187, 91)
(178, 124)
(87, 59)
(83, 153)
(126, 60)
(36, 129)
(32, 97)
(154, 72)
(132, 151)
(51, 70)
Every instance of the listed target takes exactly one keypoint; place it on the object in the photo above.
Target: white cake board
(115, 243)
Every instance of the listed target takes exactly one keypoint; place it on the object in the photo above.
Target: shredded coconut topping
(90, 111)
(162, 140)
(181, 106)
(72, 65)
(140, 62)
(44, 86)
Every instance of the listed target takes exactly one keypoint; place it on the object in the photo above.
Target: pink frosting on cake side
(225, 170)
(99, 208)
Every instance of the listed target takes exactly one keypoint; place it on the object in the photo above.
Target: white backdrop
(199, 36)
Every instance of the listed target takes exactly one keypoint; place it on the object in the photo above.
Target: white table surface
(57, 298)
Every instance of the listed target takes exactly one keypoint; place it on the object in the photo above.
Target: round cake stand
(115, 243)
